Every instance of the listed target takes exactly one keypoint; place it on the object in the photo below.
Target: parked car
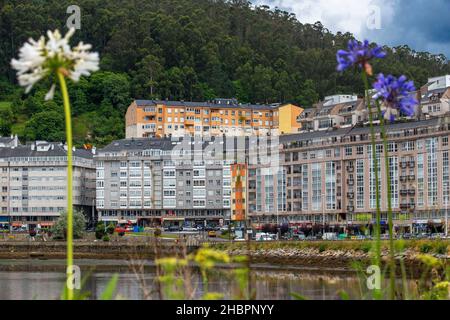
(200, 227)
(384, 236)
(329, 236)
(226, 228)
(175, 228)
(212, 234)
(299, 236)
(190, 229)
(264, 237)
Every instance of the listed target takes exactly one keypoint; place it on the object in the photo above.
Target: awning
(173, 219)
(47, 224)
(109, 219)
(127, 221)
(16, 224)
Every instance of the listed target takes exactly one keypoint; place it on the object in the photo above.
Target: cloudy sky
(424, 25)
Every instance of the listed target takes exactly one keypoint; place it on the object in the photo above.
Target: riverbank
(336, 254)
(318, 254)
(118, 250)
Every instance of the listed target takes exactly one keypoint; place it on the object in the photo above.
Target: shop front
(4, 224)
(428, 226)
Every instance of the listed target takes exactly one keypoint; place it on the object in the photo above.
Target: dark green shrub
(425, 247)
(366, 247)
(106, 238)
(322, 247)
(440, 248)
(99, 230)
(157, 232)
(110, 229)
(59, 230)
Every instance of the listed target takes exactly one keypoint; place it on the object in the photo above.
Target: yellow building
(288, 115)
(158, 118)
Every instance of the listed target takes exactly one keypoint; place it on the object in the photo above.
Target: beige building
(327, 177)
(33, 181)
(155, 118)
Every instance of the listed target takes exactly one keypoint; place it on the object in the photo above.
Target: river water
(44, 279)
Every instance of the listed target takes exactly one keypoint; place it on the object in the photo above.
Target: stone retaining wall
(85, 250)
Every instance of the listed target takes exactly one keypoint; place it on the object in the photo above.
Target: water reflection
(268, 284)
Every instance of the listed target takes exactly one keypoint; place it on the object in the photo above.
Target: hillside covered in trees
(181, 50)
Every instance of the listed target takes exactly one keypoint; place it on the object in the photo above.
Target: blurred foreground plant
(54, 58)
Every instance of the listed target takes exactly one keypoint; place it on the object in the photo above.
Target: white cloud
(336, 15)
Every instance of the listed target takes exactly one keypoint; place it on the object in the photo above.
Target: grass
(423, 246)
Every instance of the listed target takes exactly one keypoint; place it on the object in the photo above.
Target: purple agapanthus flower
(358, 54)
(397, 96)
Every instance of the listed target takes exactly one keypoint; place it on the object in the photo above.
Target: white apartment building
(33, 181)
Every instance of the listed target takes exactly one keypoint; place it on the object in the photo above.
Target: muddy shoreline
(305, 257)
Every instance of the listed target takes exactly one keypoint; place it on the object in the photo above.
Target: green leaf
(110, 288)
(297, 296)
(343, 295)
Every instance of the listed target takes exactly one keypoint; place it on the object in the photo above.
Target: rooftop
(167, 144)
(358, 130)
(218, 103)
(42, 149)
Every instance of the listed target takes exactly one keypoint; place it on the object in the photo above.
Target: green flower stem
(67, 112)
(389, 203)
(375, 166)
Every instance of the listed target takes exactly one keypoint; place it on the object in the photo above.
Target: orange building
(154, 118)
(239, 191)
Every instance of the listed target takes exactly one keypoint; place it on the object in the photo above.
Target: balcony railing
(404, 206)
(412, 177)
(350, 208)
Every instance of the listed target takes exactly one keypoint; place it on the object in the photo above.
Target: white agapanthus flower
(39, 59)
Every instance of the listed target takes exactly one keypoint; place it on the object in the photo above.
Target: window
(445, 179)
(444, 141)
(330, 184)
(348, 151)
(431, 146)
(392, 147)
(372, 182)
(316, 172)
(393, 172)
(360, 184)
(420, 181)
(360, 150)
